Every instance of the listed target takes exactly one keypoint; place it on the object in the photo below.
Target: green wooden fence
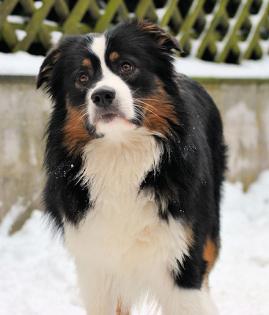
(213, 30)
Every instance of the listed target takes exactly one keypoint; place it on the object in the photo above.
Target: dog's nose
(104, 96)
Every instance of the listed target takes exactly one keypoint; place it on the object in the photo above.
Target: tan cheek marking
(158, 110)
(114, 56)
(210, 254)
(86, 62)
(75, 132)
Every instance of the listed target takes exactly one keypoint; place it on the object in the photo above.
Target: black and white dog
(135, 160)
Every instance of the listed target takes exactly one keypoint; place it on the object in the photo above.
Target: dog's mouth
(111, 121)
(107, 116)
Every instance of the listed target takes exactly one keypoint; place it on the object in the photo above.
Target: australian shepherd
(135, 158)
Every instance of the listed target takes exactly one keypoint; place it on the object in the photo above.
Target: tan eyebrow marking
(87, 62)
(114, 56)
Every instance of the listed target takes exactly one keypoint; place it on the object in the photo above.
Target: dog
(135, 160)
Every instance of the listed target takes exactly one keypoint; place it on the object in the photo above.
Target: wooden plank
(206, 36)
(70, 25)
(62, 9)
(6, 8)
(142, 8)
(9, 35)
(34, 25)
(189, 21)
(44, 36)
(28, 6)
(94, 9)
(230, 40)
(123, 11)
(254, 36)
(170, 8)
(105, 19)
(38, 31)
(151, 13)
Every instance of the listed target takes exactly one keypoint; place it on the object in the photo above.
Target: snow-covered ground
(22, 63)
(37, 277)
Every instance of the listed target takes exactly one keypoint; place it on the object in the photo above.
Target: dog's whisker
(150, 110)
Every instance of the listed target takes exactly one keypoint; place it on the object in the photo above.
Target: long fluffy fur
(138, 198)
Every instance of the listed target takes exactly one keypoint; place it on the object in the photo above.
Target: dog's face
(111, 83)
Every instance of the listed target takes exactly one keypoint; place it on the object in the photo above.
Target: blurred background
(226, 48)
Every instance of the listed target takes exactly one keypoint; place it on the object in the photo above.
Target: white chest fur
(122, 233)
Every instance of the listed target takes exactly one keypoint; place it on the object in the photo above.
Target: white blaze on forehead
(123, 93)
(99, 48)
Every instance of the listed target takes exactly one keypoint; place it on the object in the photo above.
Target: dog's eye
(126, 68)
(83, 78)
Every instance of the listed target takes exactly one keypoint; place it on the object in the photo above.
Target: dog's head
(108, 83)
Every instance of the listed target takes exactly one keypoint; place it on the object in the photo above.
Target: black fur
(191, 170)
(191, 174)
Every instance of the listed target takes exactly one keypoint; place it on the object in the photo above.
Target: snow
(161, 12)
(16, 19)
(22, 63)
(20, 34)
(38, 277)
(38, 4)
(17, 209)
(55, 37)
(51, 23)
(240, 280)
(209, 18)
(196, 68)
(264, 45)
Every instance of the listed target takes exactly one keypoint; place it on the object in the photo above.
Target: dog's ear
(46, 68)
(164, 40)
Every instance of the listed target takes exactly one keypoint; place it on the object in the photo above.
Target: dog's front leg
(189, 302)
(97, 293)
(120, 310)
